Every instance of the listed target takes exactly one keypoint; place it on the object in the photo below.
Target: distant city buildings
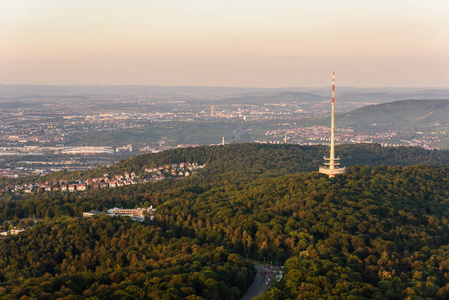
(52, 136)
(319, 135)
(124, 148)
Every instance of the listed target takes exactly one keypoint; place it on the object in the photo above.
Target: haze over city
(225, 43)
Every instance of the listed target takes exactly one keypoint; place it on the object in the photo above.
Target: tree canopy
(375, 232)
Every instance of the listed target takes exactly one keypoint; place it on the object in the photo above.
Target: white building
(137, 214)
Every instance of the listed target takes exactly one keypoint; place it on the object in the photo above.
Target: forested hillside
(247, 161)
(372, 233)
(398, 115)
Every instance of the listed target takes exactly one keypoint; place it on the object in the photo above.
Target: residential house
(81, 187)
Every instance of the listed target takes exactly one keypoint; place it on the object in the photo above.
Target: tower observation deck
(331, 165)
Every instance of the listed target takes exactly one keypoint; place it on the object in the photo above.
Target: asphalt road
(259, 284)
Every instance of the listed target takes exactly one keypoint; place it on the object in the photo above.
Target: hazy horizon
(402, 88)
(225, 44)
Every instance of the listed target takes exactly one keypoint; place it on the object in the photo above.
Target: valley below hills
(48, 128)
(379, 231)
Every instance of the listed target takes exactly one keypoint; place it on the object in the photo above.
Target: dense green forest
(376, 232)
(116, 259)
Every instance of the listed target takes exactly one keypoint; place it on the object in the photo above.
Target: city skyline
(199, 43)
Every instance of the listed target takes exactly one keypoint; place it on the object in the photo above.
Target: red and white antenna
(333, 86)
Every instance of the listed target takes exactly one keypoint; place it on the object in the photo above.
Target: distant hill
(344, 94)
(390, 96)
(61, 90)
(400, 115)
(343, 97)
(295, 97)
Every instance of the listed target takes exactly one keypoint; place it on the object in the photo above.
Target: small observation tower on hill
(331, 166)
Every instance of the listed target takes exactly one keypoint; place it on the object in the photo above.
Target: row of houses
(183, 169)
(127, 178)
(80, 185)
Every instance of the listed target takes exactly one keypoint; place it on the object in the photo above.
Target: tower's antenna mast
(332, 153)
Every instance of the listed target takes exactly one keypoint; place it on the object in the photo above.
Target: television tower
(331, 168)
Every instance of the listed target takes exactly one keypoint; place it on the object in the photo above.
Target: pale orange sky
(225, 43)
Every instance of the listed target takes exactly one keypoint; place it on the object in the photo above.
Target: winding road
(260, 283)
